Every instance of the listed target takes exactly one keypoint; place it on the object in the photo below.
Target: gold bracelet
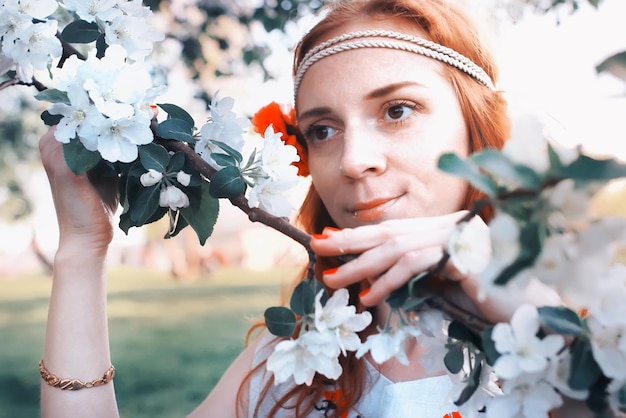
(74, 384)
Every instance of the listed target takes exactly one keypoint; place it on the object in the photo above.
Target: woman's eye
(398, 112)
(319, 132)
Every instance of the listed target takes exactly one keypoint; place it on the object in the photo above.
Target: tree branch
(281, 225)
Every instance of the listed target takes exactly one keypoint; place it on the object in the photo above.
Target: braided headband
(397, 40)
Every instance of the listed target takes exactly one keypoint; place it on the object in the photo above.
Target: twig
(281, 225)
(17, 82)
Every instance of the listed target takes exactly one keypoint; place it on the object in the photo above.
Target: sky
(549, 68)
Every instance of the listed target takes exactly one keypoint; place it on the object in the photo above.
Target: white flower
(223, 126)
(173, 197)
(557, 260)
(74, 114)
(387, 344)
(469, 246)
(39, 9)
(117, 140)
(528, 144)
(505, 249)
(94, 10)
(268, 195)
(570, 205)
(558, 376)
(341, 318)
(183, 178)
(33, 48)
(312, 352)
(522, 351)
(276, 156)
(524, 400)
(134, 34)
(150, 178)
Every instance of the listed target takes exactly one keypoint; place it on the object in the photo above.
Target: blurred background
(180, 311)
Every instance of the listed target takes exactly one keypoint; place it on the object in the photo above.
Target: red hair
(488, 125)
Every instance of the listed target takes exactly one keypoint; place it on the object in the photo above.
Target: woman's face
(376, 121)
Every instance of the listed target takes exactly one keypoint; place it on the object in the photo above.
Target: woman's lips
(372, 210)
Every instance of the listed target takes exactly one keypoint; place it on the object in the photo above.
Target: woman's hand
(389, 253)
(85, 222)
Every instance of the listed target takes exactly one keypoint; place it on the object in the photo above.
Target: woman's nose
(363, 153)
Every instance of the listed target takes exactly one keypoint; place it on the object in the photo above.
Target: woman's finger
(334, 242)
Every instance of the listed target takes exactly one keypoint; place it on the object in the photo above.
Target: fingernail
(331, 229)
(319, 236)
(364, 292)
(330, 271)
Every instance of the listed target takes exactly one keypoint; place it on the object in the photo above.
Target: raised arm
(77, 342)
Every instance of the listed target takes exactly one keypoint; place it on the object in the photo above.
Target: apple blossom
(276, 156)
(469, 246)
(342, 319)
(151, 177)
(522, 352)
(183, 178)
(524, 399)
(313, 352)
(173, 197)
(223, 126)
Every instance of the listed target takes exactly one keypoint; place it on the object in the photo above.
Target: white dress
(423, 398)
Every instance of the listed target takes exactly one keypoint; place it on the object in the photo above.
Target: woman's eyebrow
(315, 112)
(383, 91)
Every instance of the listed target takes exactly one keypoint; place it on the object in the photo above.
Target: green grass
(170, 341)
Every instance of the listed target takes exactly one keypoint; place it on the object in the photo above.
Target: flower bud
(183, 178)
(150, 178)
(173, 197)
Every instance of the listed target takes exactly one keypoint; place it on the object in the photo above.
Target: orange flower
(337, 399)
(283, 120)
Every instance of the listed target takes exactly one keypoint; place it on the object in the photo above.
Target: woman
(376, 110)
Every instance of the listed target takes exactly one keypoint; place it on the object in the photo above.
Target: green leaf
(229, 150)
(50, 119)
(154, 156)
(176, 112)
(280, 321)
(473, 384)
(176, 129)
(584, 370)
(80, 32)
(489, 346)
(101, 46)
(227, 183)
(202, 212)
(454, 358)
(144, 203)
(561, 320)
(414, 304)
(78, 158)
(302, 299)
(53, 96)
(316, 287)
(501, 167)
(589, 169)
(530, 247)
(224, 160)
(398, 297)
(177, 162)
(452, 164)
(461, 332)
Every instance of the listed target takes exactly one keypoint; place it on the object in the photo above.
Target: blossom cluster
(329, 331)
(269, 173)
(106, 104)
(28, 37)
